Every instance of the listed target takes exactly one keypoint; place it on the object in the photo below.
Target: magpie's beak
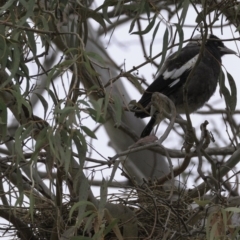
(225, 50)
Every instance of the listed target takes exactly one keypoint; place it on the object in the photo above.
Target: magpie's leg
(148, 129)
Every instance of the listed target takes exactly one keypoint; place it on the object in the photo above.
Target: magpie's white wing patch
(176, 73)
(174, 82)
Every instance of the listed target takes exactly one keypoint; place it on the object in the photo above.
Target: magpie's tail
(148, 129)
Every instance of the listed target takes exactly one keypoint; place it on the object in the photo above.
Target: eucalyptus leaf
(118, 110)
(44, 103)
(148, 28)
(164, 48)
(233, 87)
(153, 37)
(88, 132)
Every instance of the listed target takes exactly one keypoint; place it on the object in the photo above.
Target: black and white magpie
(175, 71)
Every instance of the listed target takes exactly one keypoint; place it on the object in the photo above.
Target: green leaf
(110, 226)
(27, 132)
(165, 47)
(81, 205)
(41, 141)
(81, 146)
(89, 68)
(44, 103)
(3, 47)
(23, 71)
(230, 100)
(213, 231)
(224, 218)
(89, 221)
(83, 102)
(94, 115)
(147, 9)
(44, 23)
(118, 110)
(63, 144)
(202, 203)
(103, 198)
(132, 25)
(96, 57)
(88, 132)
(181, 36)
(7, 5)
(93, 87)
(4, 51)
(237, 9)
(66, 63)
(113, 171)
(98, 107)
(31, 40)
(148, 28)
(89, 13)
(64, 113)
(104, 7)
(182, 18)
(54, 72)
(67, 159)
(18, 142)
(202, 15)
(29, 6)
(106, 102)
(32, 203)
(117, 7)
(3, 120)
(52, 143)
(52, 95)
(232, 209)
(153, 36)
(98, 235)
(141, 8)
(15, 61)
(134, 81)
(19, 200)
(232, 84)
(137, 9)
(236, 233)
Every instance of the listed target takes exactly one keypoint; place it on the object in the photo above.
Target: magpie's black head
(214, 44)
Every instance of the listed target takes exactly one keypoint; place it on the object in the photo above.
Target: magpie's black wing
(172, 75)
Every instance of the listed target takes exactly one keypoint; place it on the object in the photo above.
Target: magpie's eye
(217, 44)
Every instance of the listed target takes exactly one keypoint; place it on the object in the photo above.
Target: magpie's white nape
(174, 73)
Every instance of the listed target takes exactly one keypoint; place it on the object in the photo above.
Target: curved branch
(231, 163)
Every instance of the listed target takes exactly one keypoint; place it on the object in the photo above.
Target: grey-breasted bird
(174, 73)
